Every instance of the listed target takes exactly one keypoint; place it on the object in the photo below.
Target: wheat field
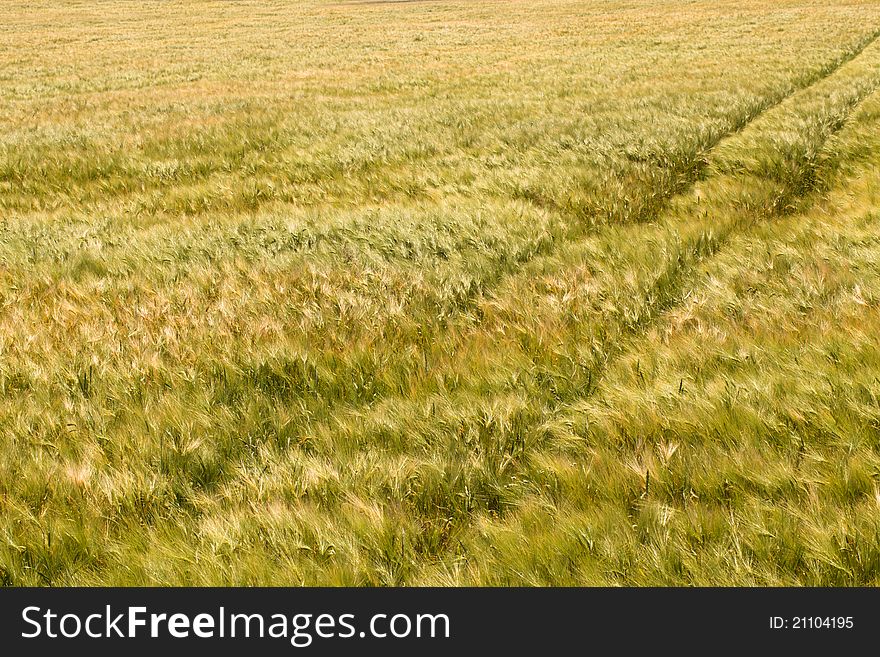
(440, 292)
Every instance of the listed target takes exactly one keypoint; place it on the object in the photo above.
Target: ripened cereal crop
(441, 292)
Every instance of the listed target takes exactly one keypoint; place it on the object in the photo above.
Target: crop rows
(457, 305)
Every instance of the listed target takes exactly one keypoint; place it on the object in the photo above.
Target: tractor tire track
(661, 296)
(683, 177)
(665, 293)
(670, 287)
(669, 290)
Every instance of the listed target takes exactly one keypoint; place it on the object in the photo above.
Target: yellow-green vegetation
(441, 292)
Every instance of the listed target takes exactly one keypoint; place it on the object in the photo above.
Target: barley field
(440, 292)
